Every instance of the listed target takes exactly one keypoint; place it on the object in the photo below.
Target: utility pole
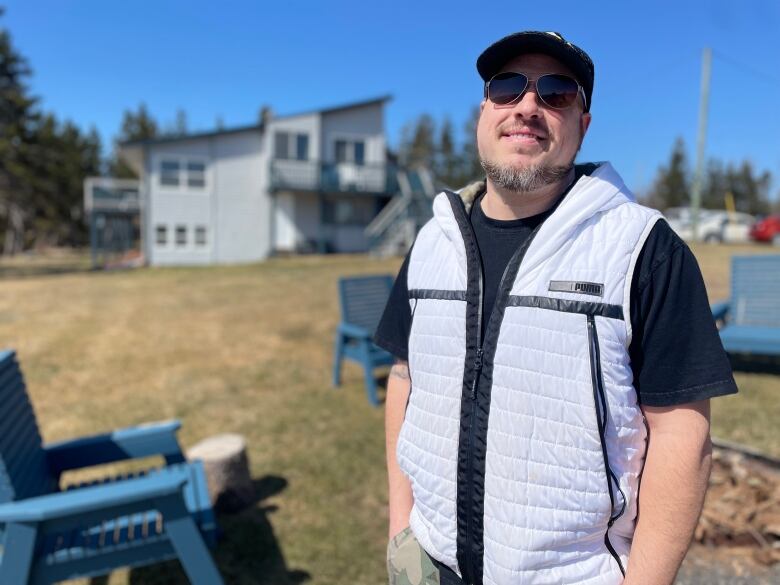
(698, 179)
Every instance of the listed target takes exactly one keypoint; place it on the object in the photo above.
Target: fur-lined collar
(470, 192)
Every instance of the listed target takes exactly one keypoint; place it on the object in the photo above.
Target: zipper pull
(477, 370)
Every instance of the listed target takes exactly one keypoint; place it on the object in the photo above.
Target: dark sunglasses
(556, 91)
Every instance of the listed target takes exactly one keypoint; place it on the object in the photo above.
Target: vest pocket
(600, 402)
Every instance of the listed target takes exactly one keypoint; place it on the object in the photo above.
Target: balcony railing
(299, 175)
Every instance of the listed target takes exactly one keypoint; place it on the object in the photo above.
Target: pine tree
(17, 116)
(750, 189)
(471, 167)
(42, 164)
(138, 125)
(447, 168)
(421, 152)
(672, 185)
(715, 187)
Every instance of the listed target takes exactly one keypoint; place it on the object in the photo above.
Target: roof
(349, 106)
(257, 127)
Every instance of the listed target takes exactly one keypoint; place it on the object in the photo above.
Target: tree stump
(227, 471)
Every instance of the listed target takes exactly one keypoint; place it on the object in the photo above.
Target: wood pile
(742, 507)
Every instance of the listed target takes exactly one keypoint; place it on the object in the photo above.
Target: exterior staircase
(392, 232)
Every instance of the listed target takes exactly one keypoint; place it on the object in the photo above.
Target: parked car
(767, 230)
(715, 226)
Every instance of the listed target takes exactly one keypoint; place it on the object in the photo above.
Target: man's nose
(528, 105)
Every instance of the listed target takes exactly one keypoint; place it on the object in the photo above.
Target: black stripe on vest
(567, 306)
(441, 295)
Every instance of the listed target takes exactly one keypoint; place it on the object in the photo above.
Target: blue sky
(94, 58)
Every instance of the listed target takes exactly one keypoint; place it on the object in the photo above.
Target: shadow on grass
(248, 552)
(18, 272)
(755, 364)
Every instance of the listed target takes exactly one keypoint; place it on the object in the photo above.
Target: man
(554, 345)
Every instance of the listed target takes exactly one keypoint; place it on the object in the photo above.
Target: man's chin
(523, 175)
(522, 161)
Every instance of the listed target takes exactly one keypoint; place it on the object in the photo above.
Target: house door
(286, 234)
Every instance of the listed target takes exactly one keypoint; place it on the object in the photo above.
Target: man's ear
(482, 105)
(584, 123)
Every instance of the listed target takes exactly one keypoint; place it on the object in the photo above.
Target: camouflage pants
(408, 563)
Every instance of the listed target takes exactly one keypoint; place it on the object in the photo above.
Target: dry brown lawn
(248, 349)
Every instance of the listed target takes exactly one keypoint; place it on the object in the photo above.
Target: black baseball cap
(553, 44)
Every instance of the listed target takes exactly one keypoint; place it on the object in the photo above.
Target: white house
(304, 182)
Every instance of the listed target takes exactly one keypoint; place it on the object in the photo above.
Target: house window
(183, 172)
(281, 145)
(196, 174)
(161, 235)
(302, 147)
(169, 173)
(359, 152)
(350, 151)
(181, 235)
(341, 151)
(200, 235)
(289, 146)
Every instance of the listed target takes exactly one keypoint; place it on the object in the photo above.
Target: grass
(248, 349)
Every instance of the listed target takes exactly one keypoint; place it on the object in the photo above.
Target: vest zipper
(470, 576)
(467, 230)
(477, 371)
(478, 363)
(600, 402)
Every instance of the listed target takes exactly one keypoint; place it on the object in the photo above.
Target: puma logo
(587, 288)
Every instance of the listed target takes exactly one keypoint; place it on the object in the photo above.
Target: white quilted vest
(531, 474)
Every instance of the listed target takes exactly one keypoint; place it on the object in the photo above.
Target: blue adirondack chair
(362, 300)
(751, 317)
(48, 535)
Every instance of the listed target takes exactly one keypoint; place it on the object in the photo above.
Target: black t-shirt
(676, 353)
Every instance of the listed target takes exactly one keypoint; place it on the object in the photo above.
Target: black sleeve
(676, 352)
(392, 333)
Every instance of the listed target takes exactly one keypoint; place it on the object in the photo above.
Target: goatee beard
(526, 179)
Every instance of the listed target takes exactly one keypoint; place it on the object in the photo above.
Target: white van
(715, 226)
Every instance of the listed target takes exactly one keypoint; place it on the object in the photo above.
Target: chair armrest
(129, 443)
(720, 310)
(354, 331)
(91, 499)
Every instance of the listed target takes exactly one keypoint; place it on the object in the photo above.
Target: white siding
(364, 124)
(179, 206)
(299, 173)
(287, 233)
(361, 123)
(234, 207)
(242, 210)
(308, 124)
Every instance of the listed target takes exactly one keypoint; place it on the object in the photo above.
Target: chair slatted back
(363, 299)
(23, 469)
(755, 290)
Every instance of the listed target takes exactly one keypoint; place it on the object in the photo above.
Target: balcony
(297, 175)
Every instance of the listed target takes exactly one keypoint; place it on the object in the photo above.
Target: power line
(747, 68)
